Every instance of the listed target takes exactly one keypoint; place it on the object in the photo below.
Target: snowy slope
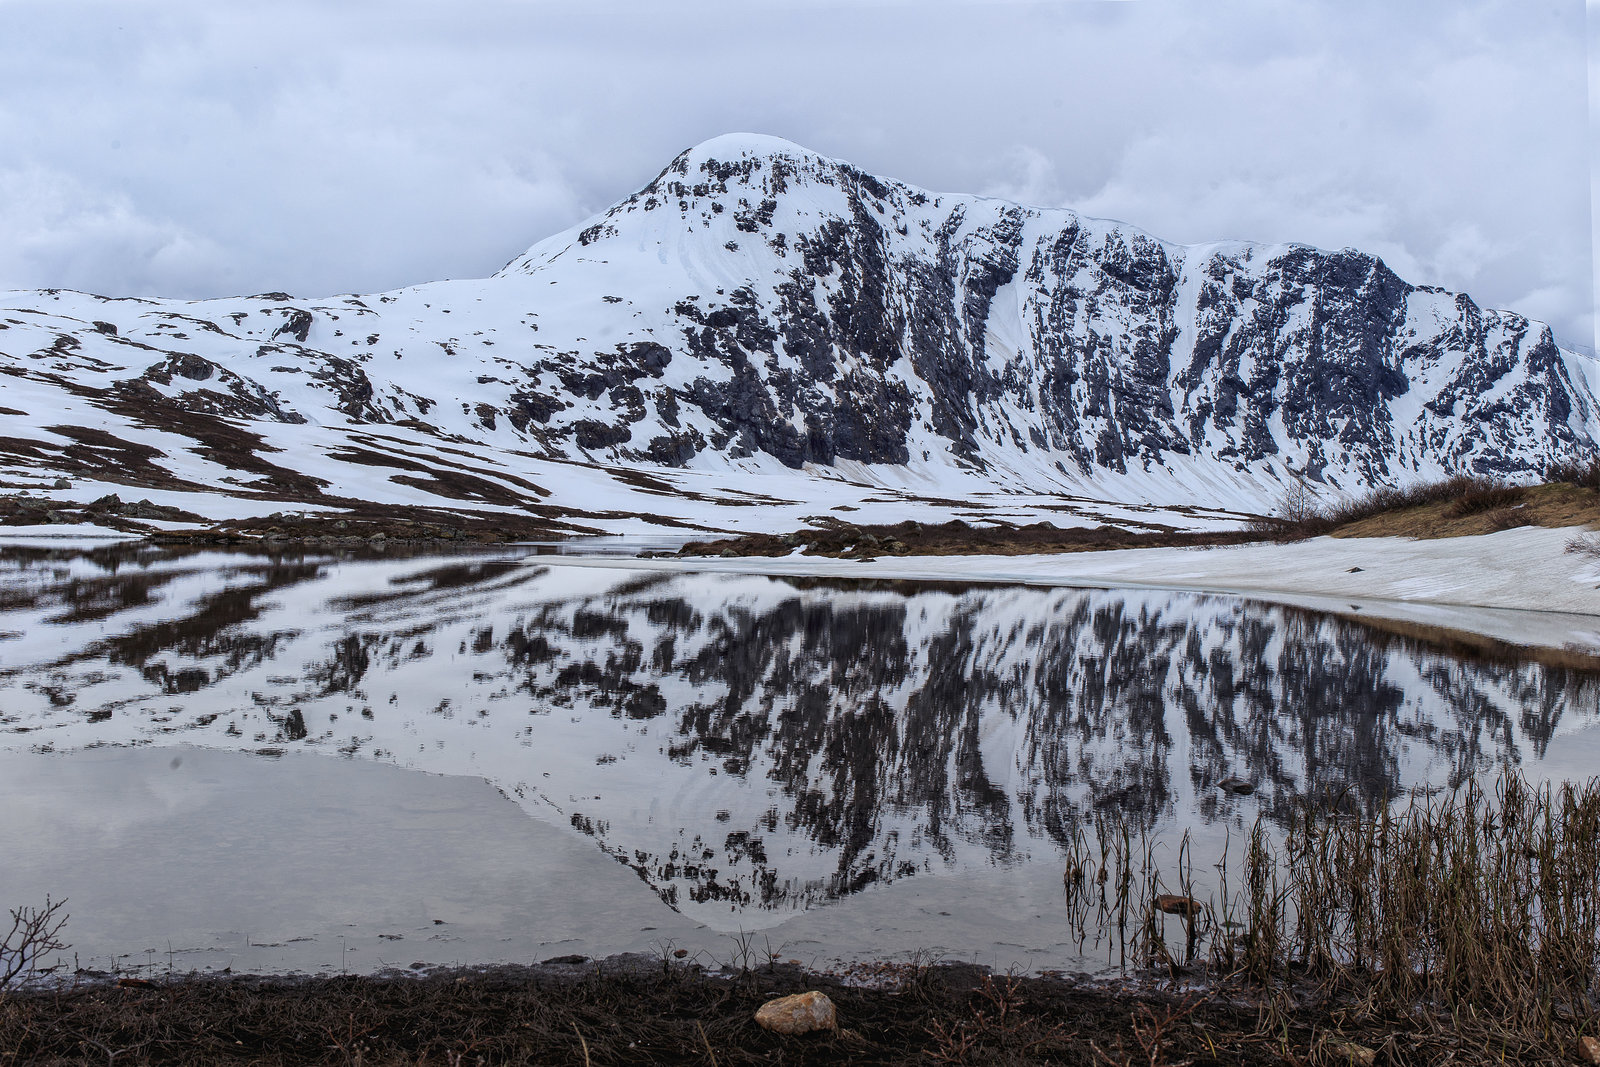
(761, 317)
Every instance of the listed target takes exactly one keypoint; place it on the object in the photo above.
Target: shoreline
(1523, 587)
(637, 1009)
(1551, 600)
(1267, 989)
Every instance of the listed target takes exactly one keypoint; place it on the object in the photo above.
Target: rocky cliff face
(864, 319)
(757, 302)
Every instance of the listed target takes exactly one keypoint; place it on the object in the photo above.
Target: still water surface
(216, 755)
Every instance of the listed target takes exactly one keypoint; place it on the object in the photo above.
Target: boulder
(798, 1014)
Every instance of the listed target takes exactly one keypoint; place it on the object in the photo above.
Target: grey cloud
(1592, 10)
(193, 148)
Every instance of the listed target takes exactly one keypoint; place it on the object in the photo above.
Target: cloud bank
(190, 148)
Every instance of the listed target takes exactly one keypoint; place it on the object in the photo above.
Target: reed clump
(1480, 905)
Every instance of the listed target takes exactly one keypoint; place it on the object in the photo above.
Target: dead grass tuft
(1585, 545)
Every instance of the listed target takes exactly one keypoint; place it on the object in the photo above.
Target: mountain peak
(761, 306)
(747, 146)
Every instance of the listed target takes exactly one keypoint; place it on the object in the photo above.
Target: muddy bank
(408, 526)
(1460, 507)
(843, 540)
(357, 523)
(642, 1010)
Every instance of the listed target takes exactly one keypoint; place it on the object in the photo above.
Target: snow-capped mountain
(759, 307)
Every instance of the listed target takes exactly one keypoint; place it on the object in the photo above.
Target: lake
(311, 761)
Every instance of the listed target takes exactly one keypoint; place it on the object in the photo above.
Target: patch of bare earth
(109, 511)
(844, 540)
(362, 522)
(1462, 506)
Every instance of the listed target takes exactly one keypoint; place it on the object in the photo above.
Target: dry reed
(1482, 904)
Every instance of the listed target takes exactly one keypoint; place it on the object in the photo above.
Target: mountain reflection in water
(762, 743)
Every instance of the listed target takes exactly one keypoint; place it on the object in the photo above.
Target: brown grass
(1583, 475)
(1457, 507)
(615, 1013)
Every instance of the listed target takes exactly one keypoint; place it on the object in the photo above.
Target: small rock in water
(1236, 785)
(1589, 1049)
(798, 1014)
(1174, 904)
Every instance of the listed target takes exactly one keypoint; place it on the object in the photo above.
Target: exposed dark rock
(536, 406)
(298, 326)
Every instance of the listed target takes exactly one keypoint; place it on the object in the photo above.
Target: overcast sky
(201, 147)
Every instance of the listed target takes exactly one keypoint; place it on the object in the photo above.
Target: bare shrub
(35, 932)
(1491, 498)
(1299, 503)
(1585, 545)
(1300, 514)
(1505, 519)
(1584, 475)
